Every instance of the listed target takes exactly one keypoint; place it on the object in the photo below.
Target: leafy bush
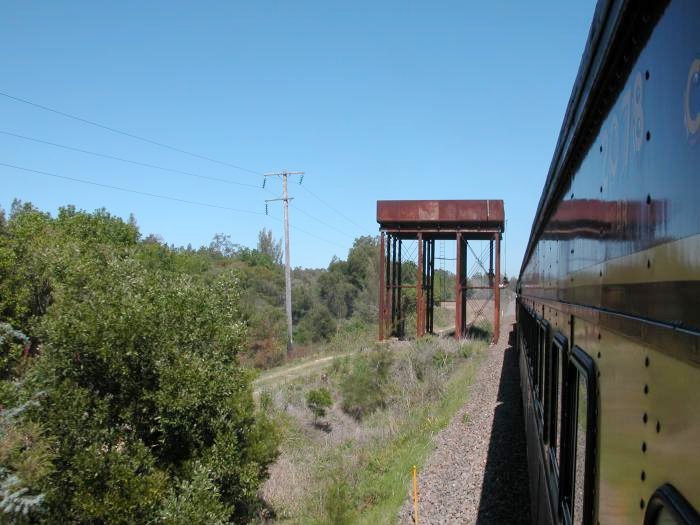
(318, 401)
(337, 503)
(195, 502)
(133, 407)
(317, 325)
(364, 389)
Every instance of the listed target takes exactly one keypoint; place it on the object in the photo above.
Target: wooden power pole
(287, 267)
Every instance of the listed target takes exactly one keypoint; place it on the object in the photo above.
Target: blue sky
(373, 100)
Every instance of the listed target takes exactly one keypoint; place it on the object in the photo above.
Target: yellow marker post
(415, 496)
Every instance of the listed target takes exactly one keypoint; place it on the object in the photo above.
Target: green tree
(318, 401)
(317, 325)
(133, 401)
(269, 246)
(364, 389)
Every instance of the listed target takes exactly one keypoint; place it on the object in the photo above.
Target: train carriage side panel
(613, 263)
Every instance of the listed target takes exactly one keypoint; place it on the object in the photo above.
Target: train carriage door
(578, 443)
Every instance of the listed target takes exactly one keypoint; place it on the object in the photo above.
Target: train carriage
(609, 290)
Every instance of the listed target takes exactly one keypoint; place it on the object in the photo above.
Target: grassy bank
(387, 487)
(357, 469)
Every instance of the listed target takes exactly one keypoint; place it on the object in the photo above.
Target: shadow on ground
(504, 493)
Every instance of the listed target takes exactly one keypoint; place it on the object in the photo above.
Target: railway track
(480, 457)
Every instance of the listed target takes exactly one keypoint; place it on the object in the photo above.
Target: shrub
(364, 389)
(195, 502)
(265, 401)
(318, 401)
(137, 383)
(337, 503)
(339, 366)
(442, 359)
(317, 325)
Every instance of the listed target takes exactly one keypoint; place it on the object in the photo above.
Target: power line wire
(159, 144)
(332, 207)
(127, 134)
(159, 196)
(154, 166)
(129, 161)
(320, 221)
(296, 228)
(129, 190)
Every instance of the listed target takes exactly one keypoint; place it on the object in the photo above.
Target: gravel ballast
(478, 470)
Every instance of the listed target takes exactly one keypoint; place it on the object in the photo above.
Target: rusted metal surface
(497, 290)
(469, 213)
(427, 221)
(382, 293)
(420, 299)
(459, 298)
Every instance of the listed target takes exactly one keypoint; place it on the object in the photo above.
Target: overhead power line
(129, 190)
(320, 221)
(164, 197)
(155, 166)
(130, 135)
(331, 207)
(306, 232)
(129, 161)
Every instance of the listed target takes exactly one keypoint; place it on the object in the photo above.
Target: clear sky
(372, 99)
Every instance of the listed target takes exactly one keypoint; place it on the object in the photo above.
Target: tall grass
(365, 476)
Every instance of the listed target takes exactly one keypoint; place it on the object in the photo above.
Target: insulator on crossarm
(264, 181)
(266, 208)
(301, 179)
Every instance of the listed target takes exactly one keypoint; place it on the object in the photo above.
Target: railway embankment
(387, 403)
(477, 472)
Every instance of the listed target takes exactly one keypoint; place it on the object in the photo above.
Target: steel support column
(420, 310)
(387, 299)
(458, 287)
(465, 284)
(399, 306)
(497, 290)
(491, 262)
(393, 285)
(431, 286)
(382, 287)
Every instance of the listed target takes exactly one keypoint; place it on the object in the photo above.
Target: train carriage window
(579, 439)
(560, 346)
(543, 380)
(535, 355)
(555, 373)
(580, 450)
(532, 327)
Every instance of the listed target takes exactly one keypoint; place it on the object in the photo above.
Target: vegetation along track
(353, 465)
(480, 456)
(288, 373)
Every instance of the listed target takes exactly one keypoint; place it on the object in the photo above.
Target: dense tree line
(124, 398)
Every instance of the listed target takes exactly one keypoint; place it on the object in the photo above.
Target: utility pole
(287, 267)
